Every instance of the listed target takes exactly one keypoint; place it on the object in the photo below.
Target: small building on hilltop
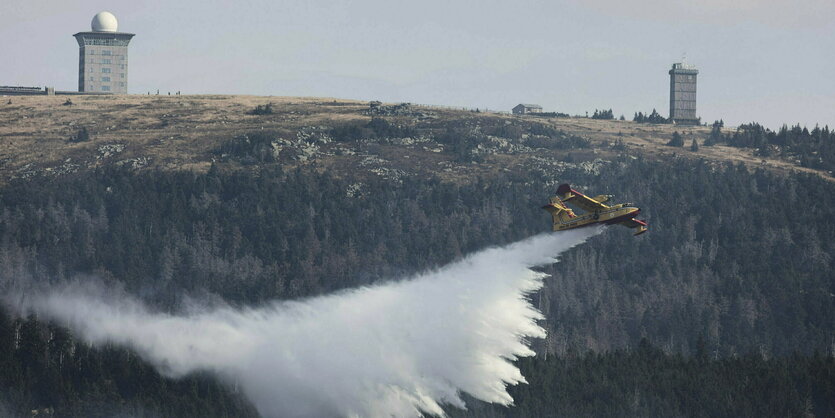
(524, 108)
(26, 91)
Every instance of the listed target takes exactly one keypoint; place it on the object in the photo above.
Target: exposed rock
(593, 167)
(343, 150)
(109, 150)
(402, 141)
(316, 134)
(401, 109)
(135, 163)
(553, 166)
(389, 173)
(66, 168)
(499, 145)
(378, 167)
(353, 190)
(25, 172)
(306, 151)
(373, 160)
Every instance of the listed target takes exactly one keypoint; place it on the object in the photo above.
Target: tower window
(105, 61)
(105, 88)
(105, 70)
(105, 79)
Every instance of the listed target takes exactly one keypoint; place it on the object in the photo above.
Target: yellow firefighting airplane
(596, 211)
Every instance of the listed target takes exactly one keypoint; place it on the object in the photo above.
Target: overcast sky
(771, 61)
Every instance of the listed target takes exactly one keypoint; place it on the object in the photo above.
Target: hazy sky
(771, 61)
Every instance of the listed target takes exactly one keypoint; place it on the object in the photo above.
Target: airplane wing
(635, 223)
(569, 195)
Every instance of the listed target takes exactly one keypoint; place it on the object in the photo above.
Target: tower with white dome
(103, 56)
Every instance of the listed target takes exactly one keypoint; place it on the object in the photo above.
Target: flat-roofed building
(103, 57)
(523, 108)
(683, 94)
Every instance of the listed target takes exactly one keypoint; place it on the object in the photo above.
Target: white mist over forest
(404, 348)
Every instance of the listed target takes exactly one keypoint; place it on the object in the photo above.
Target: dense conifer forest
(814, 149)
(725, 308)
(646, 382)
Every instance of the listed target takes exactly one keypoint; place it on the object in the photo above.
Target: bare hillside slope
(45, 136)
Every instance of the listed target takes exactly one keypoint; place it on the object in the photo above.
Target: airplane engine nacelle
(603, 197)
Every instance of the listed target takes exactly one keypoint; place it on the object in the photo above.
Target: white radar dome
(104, 22)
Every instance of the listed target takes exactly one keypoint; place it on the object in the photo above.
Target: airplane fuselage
(609, 216)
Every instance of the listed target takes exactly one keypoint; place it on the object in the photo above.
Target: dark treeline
(653, 117)
(814, 149)
(646, 382)
(731, 264)
(603, 114)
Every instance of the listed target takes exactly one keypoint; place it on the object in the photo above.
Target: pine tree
(676, 140)
(715, 135)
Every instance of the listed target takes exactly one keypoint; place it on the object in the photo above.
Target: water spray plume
(399, 349)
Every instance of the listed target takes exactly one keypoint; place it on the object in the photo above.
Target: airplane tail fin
(559, 212)
(564, 191)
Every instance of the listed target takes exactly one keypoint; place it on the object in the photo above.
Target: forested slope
(726, 263)
(646, 382)
(731, 291)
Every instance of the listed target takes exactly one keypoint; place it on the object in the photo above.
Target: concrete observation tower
(103, 57)
(683, 94)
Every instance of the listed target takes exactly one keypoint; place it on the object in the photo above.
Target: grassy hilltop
(41, 135)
